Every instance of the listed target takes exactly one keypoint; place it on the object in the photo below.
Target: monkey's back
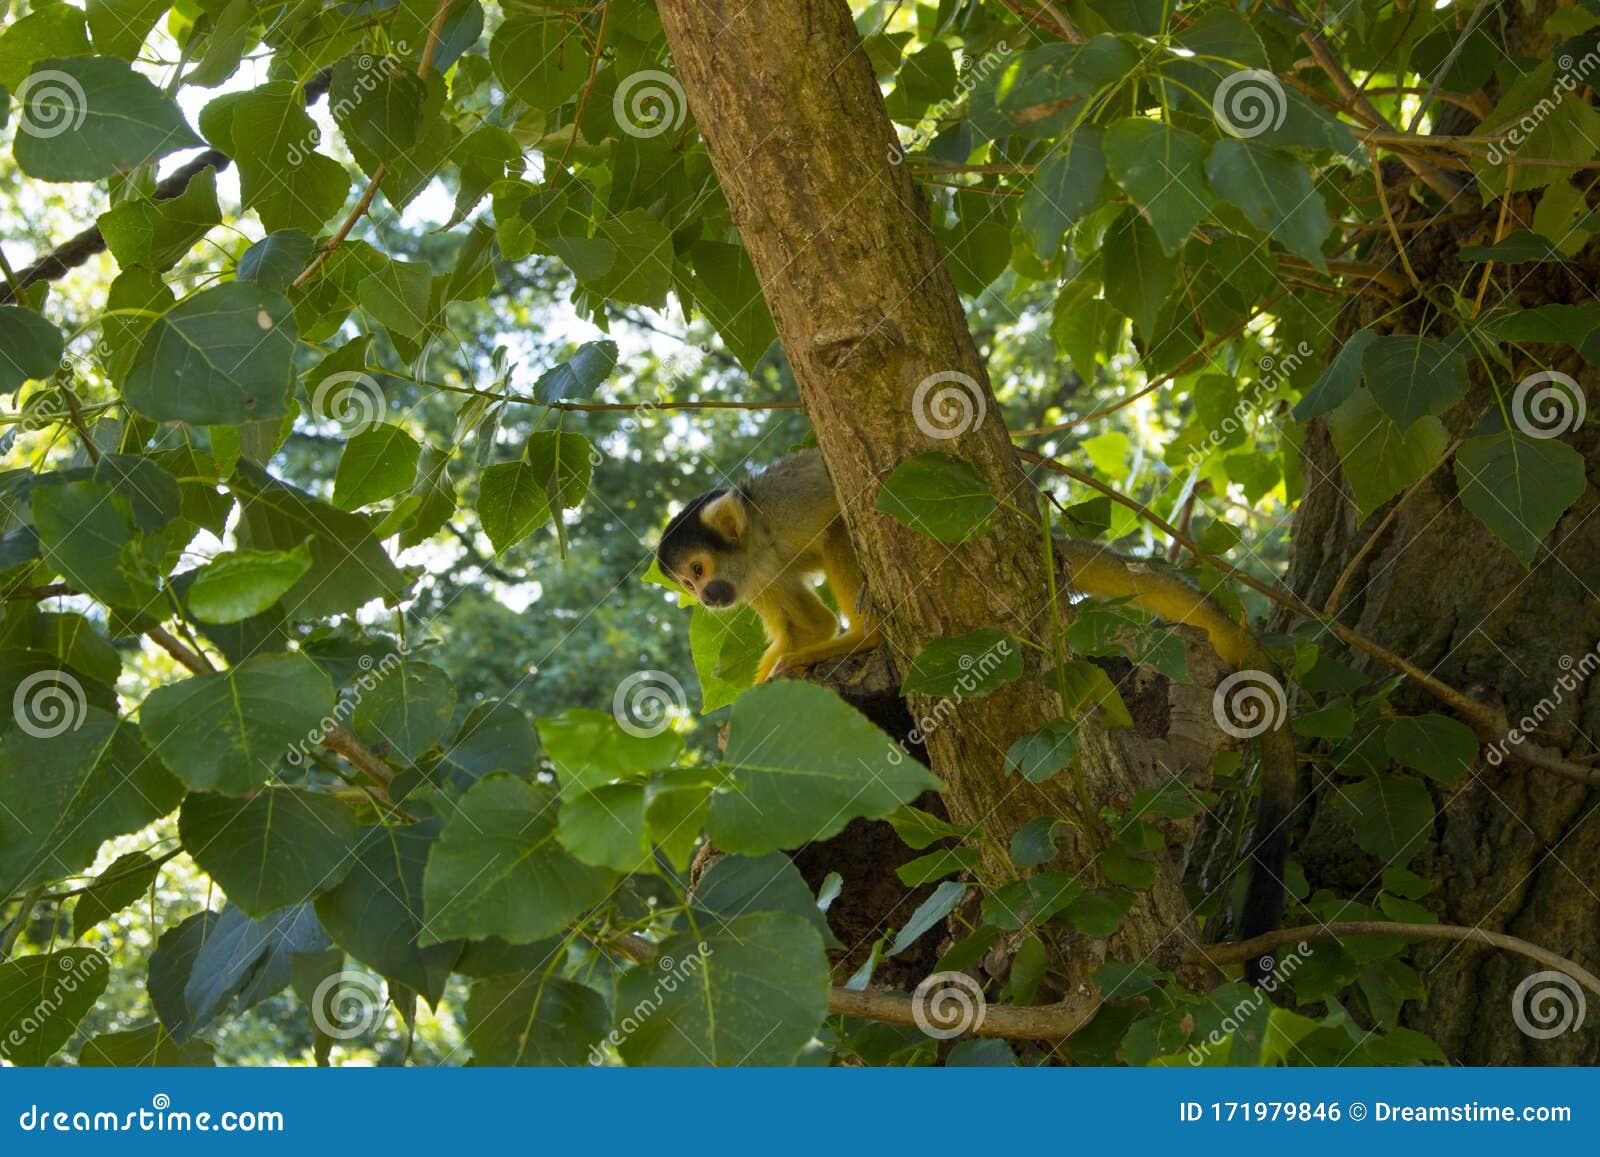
(795, 499)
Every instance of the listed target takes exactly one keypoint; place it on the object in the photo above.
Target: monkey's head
(705, 548)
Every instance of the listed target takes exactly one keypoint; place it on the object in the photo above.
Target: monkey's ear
(726, 515)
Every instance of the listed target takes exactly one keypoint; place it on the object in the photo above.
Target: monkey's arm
(795, 619)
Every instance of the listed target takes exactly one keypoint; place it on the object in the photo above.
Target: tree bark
(798, 134)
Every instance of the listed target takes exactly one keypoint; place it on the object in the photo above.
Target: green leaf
(580, 375)
(1275, 192)
(228, 730)
(499, 870)
(928, 914)
(42, 999)
(540, 58)
(47, 30)
(1338, 380)
(512, 503)
(281, 175)
(967, 667)
(936, 865)
(1514, 249)
(127, 878)
(1435, 745)
(727, 648)
(1391, 815)
(404, 711)
(937, 495)
(803, 764)
(751, 992)
(71, 779)
(219, 357)
(1163, 170)
(1336, 720)
(241, 583)
(641, 272)
(1063, 190)
(276, 260)
(149, 1047)
(86, 117)
(726, 288)
(1085, 687)
(30, 347)
(736, 886)
(348, 565)
(532, 1018)
(376, 914)
(1412, 377)
(397, 296)
(1045, 753)
(1034, 842)
(605, 827)
(87, 534)
(171, 964)
(1519, 486)
(119, 27)
(588, 748)
(376, 464)
(377, 104)
(279, 847)
(1138, 274)
(1380, 459)
(157, 234)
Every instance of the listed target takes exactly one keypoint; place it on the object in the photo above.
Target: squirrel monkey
(763, 543)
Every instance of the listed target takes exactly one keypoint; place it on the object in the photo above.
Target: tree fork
(798, 134)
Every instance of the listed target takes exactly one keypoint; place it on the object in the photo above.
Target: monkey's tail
(1269, 846)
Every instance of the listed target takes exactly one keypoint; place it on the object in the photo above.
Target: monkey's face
(704, 549)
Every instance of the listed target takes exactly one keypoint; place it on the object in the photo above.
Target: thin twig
(1388, 216)
(1499, 235)
(1367, 547)
(378, 174)
(583, 98)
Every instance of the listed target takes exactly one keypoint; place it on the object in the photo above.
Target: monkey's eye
(699, 571)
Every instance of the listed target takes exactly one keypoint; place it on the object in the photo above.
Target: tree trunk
(798, 134)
